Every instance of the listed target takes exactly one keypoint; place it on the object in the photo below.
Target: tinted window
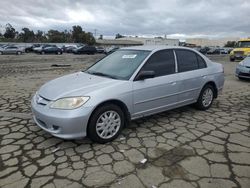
(187, 60)
(201, 62)
(162, 62)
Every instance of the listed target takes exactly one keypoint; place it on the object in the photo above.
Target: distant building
(210, 42)
(153, 41)
(106, 43)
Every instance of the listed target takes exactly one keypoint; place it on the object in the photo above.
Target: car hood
(241, 49)
(77, 84)
(246, 61)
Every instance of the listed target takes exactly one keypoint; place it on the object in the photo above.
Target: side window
(187, 60)
(202, 64)
(162, 62)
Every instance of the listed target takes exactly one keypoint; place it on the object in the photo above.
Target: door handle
(204, 76)
(173, 83)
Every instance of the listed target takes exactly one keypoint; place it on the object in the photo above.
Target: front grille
(239, 53)
(244, 74)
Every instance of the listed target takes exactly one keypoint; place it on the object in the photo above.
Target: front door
(159, 93)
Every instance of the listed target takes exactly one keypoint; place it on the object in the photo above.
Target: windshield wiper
(101, 74)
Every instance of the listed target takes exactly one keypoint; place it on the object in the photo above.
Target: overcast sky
(175, 18)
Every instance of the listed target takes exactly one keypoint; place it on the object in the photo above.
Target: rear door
(159, 93)
(192, 74)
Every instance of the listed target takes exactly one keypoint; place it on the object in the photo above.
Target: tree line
(76, 35)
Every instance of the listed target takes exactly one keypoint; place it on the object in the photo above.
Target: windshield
(120, 64)
(243, 44)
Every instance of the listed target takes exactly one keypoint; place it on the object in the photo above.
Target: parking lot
(178, 148)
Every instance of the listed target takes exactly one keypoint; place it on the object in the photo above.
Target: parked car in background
(100, 50)
(38, 49)
(204, 50)
(241, 51)
(223, 51)
(69, 49)
(50, 50)
(11, 50)
(85, 50)
(243, 69)
(31, 48)
(217, 51)
(128, 84)
(213, 51)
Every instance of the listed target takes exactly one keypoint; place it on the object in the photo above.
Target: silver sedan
(128, 84)
(11, 50)
(243, 69)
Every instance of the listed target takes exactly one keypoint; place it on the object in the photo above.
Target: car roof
(154, 47)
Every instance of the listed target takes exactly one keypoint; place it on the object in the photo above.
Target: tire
(97, 117)
(1, 53)
(18, 53)
(42, 52)
(206, 97)
(232, 59)
(58, 53)
(240, 78)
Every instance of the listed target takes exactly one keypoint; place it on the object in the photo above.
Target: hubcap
(207, 97)
(108, 124)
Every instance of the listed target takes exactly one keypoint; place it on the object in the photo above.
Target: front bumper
(242, 71)
(66, 124)
(238, 57)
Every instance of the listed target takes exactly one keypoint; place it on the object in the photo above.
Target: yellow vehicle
(241, 51)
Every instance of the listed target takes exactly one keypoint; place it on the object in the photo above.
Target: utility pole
(95, 31)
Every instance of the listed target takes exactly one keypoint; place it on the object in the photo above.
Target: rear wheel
(106, 123)
(206, 97)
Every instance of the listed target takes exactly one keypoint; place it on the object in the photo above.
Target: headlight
(241, 63)
(69, 103)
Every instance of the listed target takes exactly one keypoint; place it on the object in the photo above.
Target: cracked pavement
(183, 147)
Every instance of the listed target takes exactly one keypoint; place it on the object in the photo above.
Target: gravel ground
(183, 147)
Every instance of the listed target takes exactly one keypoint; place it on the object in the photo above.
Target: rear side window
(201, 63)
(161, 62)
(187, 60)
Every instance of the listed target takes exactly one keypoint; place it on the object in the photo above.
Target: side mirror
(145, 74)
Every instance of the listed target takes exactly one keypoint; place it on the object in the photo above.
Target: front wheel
(106, 123)
(232, 59)
(206, 98)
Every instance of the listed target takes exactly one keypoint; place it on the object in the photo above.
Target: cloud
(176, 18)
